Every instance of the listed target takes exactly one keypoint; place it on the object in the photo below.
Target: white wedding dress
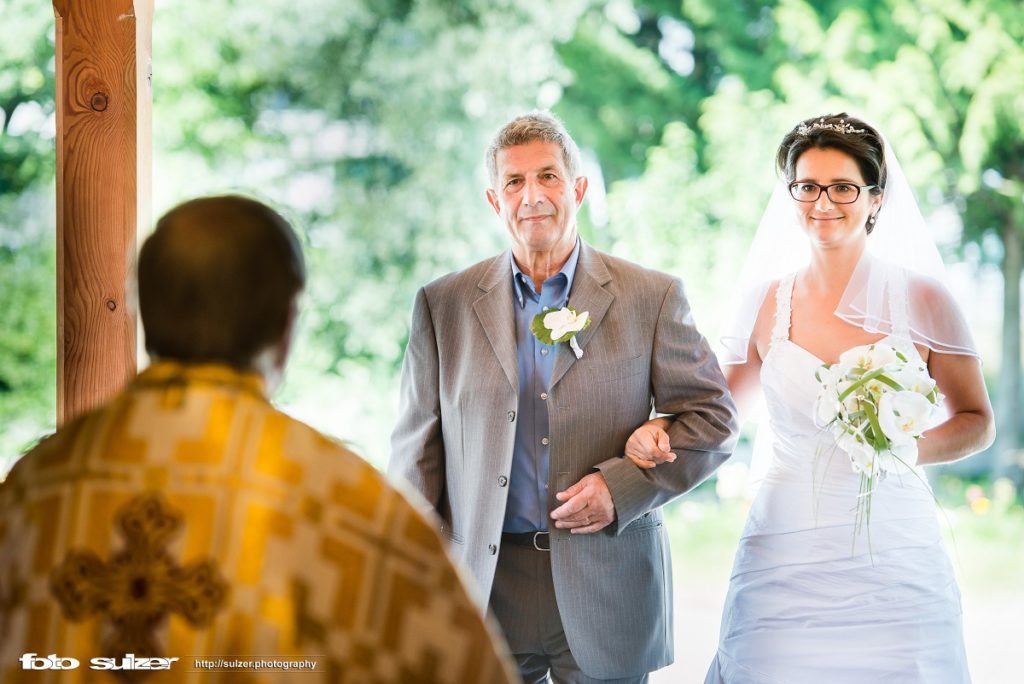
(809, 600)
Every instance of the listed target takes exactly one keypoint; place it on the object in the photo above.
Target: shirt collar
(521, 281)
(175, 373)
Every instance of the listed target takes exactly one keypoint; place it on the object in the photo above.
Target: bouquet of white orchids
(877, 402)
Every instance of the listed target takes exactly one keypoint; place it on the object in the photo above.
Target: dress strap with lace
(783, 309)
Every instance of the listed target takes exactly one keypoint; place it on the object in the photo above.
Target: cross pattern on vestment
(141, 584)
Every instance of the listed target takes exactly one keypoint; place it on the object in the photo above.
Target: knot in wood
(98, 102)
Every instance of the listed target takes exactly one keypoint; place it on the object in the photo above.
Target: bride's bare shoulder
(926, 294)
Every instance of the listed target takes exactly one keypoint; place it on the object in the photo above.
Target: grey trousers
(523, 602)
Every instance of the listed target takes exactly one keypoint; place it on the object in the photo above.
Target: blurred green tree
(27, 250)
(366, 121)
(947, 80)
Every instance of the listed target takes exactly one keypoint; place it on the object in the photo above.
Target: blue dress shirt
(527, 508)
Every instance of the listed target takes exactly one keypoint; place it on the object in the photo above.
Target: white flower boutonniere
(552, 327)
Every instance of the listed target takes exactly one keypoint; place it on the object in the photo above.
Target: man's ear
(285, 346)
(271, 362)
(492, 199)
(581, 189)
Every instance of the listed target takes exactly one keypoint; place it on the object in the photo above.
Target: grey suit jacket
(455, 431)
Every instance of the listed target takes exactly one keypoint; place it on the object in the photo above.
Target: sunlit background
(365, 122)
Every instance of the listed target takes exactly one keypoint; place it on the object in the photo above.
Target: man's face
(536, 198)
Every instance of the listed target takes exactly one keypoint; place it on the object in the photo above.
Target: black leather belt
(540, 541)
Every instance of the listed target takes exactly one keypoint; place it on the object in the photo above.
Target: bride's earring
(871, 223)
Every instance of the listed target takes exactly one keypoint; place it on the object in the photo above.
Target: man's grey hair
(536, 125)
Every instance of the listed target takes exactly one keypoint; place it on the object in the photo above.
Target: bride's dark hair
(841, 132)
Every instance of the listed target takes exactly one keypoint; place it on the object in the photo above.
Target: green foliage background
(365, 122)
(27, 250)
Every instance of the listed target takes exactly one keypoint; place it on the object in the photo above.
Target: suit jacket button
(502, 481)
(493, 549)
(511, 416)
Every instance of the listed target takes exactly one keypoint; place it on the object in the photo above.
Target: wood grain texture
(103, 98)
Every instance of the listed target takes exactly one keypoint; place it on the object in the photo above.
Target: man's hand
(587, 506)
(649, 445)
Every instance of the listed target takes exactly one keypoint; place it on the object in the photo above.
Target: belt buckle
(538, 547)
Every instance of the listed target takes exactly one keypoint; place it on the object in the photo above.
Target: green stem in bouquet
(877, 374)
(877, 439)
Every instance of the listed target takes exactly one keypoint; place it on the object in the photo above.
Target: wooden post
(104, 139)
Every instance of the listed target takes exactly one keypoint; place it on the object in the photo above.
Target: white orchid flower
(914, 378)
(852, 401)
(903, 416)
(826, 408)
(869, 356)
(900, 459)
(862, 455)
(830, 376)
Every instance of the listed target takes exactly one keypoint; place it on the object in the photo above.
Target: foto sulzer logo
(34, 661)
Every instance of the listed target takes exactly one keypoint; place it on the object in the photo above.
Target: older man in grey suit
(518, 444)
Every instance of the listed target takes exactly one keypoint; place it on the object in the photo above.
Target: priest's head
(218, 282)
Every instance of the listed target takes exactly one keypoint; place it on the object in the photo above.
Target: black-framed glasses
(837, 193)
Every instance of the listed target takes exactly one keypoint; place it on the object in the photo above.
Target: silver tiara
(841, 127)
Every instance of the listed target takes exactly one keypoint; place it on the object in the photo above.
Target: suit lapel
(494, 309)
(588, 294)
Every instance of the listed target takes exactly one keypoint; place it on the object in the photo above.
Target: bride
(842, 258)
